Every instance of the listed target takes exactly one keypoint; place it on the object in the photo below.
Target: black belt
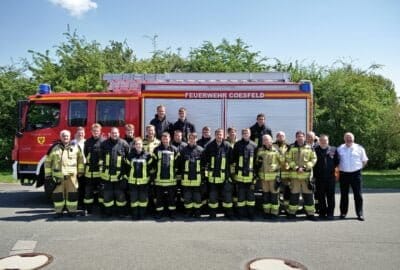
(350, 173)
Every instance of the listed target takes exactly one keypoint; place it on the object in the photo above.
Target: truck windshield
(42, 115)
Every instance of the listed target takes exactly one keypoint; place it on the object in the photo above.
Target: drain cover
(25, 261)
(274, 264)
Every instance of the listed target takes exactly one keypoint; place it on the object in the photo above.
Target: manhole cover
(274, 264)
(25, 261)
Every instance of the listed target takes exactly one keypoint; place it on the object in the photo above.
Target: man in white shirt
(352, 160)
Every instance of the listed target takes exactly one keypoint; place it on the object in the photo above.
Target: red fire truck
(217, 100)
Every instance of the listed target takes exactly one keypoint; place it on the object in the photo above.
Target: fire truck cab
(217, 100)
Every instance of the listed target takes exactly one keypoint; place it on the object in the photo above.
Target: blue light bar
(305, 86)
(44, 88)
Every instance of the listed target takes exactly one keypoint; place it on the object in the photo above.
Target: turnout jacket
(268, 162)
(165, 167)
(218, 160)
(113, 154)
(191, 165)
(92, 151)
(243, 159)
(301, 156)
(63, 160)
(137, 168)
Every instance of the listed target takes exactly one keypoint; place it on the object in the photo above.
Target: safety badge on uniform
(41, 139)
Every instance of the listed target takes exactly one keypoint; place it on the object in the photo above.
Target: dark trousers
(325, 194)
(191, 197)
(220, 192)
(91, 187)
(139, 195)
(114, 191)
(354, 180)
(81, 191)
(160, 194)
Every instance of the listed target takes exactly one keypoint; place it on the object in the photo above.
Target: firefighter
(129, 134)
(311, 140)
(231, 138)
(218, 155)
(178, 140)
(243, 161)
(301, 159)
(138, 175)
(324, 172)
(93, 182)
(150, 141)
(259, 129)
(114, 151)
(165, 156)
(183, 124)
(79, 139)
(268, 164)
(281, 146)
(160, 122)
(63, 164)
(191, 169)
(205, 137)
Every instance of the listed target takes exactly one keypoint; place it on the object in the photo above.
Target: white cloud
(76, 7)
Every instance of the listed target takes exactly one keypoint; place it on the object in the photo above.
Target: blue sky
(364, 32)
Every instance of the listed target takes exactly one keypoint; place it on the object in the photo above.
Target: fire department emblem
(41, 139)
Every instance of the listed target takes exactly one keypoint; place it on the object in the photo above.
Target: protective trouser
(139, 195)
(298, 186)
(66, 195)
(171, 198)
(81, 191)
(220, 192)
(114, 193)
(325, 190)
(91, 186)
(246, 199)
(191, 197)
(285, 189)
(270, 197)
(354, 180)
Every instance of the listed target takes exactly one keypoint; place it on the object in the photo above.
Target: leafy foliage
(346, 98)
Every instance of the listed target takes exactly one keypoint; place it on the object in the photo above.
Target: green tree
(355, 100)
(226, 57)
(14, 86)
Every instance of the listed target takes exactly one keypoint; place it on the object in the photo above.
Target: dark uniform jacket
(92, 150)
(191, 163)
(203, 142)
(138, 166)
(218, 153)
(243, 158)
(327, 160)
(161, 126)
(115, 150)
(164, 166)
(185, 126)
(180, 145)
(257, 132)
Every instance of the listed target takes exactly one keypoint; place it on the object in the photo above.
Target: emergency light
(305, 86)
(44, 88)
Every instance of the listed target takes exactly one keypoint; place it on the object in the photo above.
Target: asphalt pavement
(26, 218)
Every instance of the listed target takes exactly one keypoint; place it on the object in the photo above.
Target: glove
(277, 182)
(311, 185)
(255, 179)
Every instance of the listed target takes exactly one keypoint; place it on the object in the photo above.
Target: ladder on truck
(129, 81)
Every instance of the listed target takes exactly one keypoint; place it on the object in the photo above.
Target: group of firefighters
(128, 174)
